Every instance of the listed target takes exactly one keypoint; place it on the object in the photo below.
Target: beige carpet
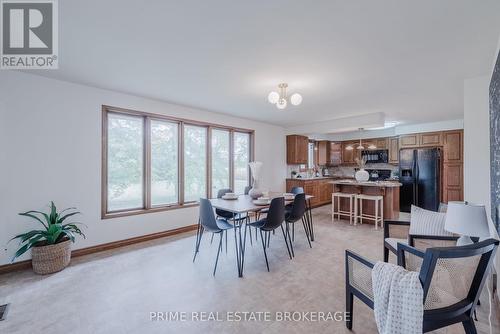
(115, 291)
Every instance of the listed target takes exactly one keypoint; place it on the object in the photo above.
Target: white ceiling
(404, 58)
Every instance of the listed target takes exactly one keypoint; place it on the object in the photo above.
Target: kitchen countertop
(351, 182)
(313, 178)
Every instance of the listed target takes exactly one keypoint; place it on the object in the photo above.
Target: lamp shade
(467, 219)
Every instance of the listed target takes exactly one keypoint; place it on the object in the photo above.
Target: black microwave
(375, 156)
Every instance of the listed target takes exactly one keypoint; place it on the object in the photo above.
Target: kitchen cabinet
(408, 141)
(393, 144)
(453, 146)
(430, 139)
(329, 153)
(325, 192)
(296, 149)
(349, 156)
(335, 154)
(323, 152)
(320, 188)
(453, 182)
(453, 178)
(367, 143)
(381, 143)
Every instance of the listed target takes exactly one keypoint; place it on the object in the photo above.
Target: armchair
(452, 279)
(424, 229)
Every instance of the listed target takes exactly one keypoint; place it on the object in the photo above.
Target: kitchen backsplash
(341, 171)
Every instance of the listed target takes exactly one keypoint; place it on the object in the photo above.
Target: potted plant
(51, 245)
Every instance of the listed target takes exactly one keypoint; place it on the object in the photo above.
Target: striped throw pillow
(425, 222)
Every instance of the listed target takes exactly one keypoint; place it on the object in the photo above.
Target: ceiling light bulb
(349, 148)
(360, 147)
(273, 97)
(281, 104)
(296, 99)
(372, 147)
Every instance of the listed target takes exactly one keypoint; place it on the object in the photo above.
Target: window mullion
(147, 163)
(209, 162)
(231, 159)
(181, 162)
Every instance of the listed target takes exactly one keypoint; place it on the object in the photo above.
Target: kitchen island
(319, 187)
(388, 189)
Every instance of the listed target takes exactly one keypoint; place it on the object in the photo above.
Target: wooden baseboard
(21, 265)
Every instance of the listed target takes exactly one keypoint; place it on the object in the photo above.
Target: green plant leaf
(69, 234)
(26, 247)
(53, 213)
(61, 219)
(31, 234)
(29, 214)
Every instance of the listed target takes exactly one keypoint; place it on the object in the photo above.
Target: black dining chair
(288, 207)
(294, 214)
(229, 215)
(247, 189)
(274, 219)
(211, 224)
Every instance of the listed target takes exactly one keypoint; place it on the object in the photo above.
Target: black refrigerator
(419, 172)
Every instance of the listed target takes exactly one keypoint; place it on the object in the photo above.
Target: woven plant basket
(51, 258)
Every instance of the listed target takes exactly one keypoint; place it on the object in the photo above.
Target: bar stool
(352, 209)
(379, 203)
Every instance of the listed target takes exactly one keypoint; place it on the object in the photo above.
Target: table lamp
(468, 220)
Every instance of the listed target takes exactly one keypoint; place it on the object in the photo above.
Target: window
(164, 163)
(241, 160)
(220, 160)
(125, 162)
(310, 155)
(195, 163)
(154, 162)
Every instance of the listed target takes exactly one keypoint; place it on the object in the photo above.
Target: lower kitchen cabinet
(320, 188)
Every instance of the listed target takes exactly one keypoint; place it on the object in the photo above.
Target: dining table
(243, 205)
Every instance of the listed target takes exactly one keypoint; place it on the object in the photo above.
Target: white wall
(477, 145)
(50, 136)
(477, 140)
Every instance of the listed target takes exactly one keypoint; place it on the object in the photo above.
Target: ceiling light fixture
(360, 146)
(280, 98)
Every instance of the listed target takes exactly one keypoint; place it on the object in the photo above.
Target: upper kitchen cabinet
(408, 141)
(323, 152)
(431, 139)
(329, 153)
(349, 155)
(381, 143)
(296, 149)
(453, 146)
(393, 145)
(335, 154)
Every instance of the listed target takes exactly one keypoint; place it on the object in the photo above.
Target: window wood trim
(147, 117)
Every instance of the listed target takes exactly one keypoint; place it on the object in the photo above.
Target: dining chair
(274, 219)
(288, 207)
(247, 189)
(294, 190)
(211, 224)
(229, 215)
(425, 229)
(294, 214)
(452, 279)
